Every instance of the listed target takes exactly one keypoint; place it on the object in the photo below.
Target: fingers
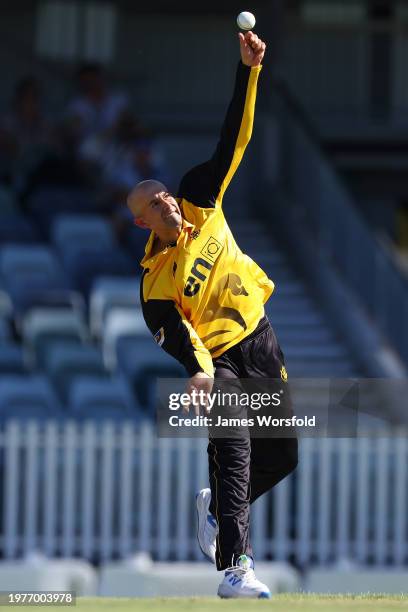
(198, 389)
(256, 44)
(242, 41)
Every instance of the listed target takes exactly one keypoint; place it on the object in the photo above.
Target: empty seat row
(89, 397)
(28, 271)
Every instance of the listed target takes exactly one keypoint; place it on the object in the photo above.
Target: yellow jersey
(203, 295)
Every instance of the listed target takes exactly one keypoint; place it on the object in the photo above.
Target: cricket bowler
(203, 300)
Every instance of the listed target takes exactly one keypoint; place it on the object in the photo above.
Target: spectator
(122, 156)
(25, 133)
(95, 107)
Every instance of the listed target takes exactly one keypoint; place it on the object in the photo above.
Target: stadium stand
(309, 341)
(43, 327)
(120, 322)
(47, 202)
(8, 205)
(15, 228)
(27, 397)
(12, 359)
(91, 397)
(108, 292)
(63, 362)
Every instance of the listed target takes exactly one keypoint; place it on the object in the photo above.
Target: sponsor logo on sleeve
(159, 336)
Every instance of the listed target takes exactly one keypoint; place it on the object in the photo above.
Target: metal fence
(106, 491)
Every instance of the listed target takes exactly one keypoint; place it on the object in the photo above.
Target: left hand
(200, 382)
(252, 49)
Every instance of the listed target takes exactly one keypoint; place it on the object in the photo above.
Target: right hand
(252, 49)
(200, 382)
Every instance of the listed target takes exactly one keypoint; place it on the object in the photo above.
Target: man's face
(156, 209)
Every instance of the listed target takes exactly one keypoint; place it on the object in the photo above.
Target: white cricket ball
(246, 20)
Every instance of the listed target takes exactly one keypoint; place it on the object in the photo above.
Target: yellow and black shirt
(203, 295)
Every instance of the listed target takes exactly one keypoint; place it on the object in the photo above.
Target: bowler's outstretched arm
(205, 184)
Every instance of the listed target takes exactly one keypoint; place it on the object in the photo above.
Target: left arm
(205, 185)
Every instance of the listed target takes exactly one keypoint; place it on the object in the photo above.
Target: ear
(140, 223)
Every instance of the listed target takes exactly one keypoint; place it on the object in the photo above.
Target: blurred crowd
(95, 143)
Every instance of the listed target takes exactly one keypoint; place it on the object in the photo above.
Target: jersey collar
(147, 259)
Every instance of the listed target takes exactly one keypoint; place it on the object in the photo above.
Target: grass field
(279, 603)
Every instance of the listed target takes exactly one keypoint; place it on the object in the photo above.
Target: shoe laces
(247, 575)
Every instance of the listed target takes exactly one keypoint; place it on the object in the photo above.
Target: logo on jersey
(202, 266)
(195, 234)
(198, 272)
(211, 249)
(159, 336)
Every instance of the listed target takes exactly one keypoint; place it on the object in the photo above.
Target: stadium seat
(42, 327)
(96, 398)
(75, 232)
(17, 229)
(5, 330)
(29, 270)
(64, 362)
(6, 315)
(57, 299)
(31, 259)
(27, 397)
(143, 362)
(87, 264)
(120, 322)
(7, 201)
(108, 293)
(134, 241)
(49, 201)
(12, 359)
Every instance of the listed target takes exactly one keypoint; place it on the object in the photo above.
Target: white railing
(106, 491)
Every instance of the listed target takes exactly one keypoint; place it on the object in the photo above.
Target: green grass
(279, 603)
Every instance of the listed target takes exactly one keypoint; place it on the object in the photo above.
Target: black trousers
(243, 466)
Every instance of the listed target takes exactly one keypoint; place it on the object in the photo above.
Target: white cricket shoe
(207, 525)
(240, 581)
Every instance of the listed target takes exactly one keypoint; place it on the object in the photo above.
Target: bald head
(155, 208)
(141, 195)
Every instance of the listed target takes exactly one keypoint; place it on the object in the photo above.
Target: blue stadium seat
(42, 327)
(58, 299)
(5, 330)
(64, 362)
(49, 201)
(36, 260)
(85, 266)
(27, 397)
(121, 322)
(12, 359)
(110, 292)
(134, 241)
(71, 233)
(143, 362)
(6, 315)
(28, 271)
(16, 228)
(96, 398)
(7, 201)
